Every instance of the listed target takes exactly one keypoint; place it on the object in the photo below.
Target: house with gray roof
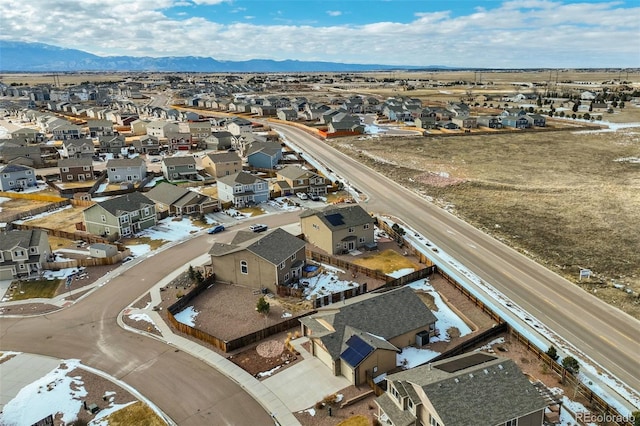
(22, 253)
(179, 168)
(29, 155)
(219, 140)
(275, 258)
(178, 201)
(264, 155)
(147, 145)
(128, 170)
(76, 148)
(338, 230)
(120, 216)
(242, 189)
(16, 177)
(361, 336)
(113, 144)
(298, 179)
(75, 169)
(222, 164)
(476, 388)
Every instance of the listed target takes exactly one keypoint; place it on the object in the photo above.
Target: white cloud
(334, 12)
(210, 2)
(525, 33)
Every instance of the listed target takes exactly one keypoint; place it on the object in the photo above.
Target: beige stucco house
(338, 230)
(222, 164)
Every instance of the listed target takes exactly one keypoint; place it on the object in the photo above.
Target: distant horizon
(470, 34)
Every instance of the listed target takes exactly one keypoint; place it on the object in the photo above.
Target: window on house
(134, 213)
(69, 177)
(513, 422)
(65, 169)
(433, 421)
(293, 256)
(366, 226)
(286, 276)
(244, 267)
(351, 229)
(410, 404)
(18, 253)
(21, 266)
(103, 218)
(315, 226)
(282, 265)
(361, 239)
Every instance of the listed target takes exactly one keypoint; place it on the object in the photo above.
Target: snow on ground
(372, 129)
(311, 411)
(101, 417)
(237, 214)
(187, 316)
(62, 273)
(170, 230)
(499, 303)
(139, 249)
(447, 319)
(281, 203)
(41, 215)
(412, 357)
(152, 182)
(55, 391)
(489, 346)
(269, 372)
(401, 272)
(633, 160)
(286, 315)
(569, 408)
(143, 317)
(326, 283)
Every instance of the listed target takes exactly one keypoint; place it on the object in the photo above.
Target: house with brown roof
(120, 216)
(259, 260)
(361, 336)
(476, 388)
(338, 230)
(222, 164)
(173, 200)
(298, 179)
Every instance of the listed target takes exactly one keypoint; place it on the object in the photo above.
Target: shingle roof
(20, 238)
(267, 148)
(386, 315)
(75, 162)
(243, 178)
(224, 157)
(166, 193)
(295, 172)
(341, 217)
(275, 246)
(125, 203)
(9, 168)
(125, 162)
(489, 393)
(183, 160)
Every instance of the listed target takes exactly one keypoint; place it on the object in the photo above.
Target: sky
(461, 33)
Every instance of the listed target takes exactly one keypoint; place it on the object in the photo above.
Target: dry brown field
(563, 198)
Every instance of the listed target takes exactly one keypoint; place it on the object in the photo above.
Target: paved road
(610, 337)
(186, 389)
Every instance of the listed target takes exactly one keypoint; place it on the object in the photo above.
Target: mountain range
(16, 56)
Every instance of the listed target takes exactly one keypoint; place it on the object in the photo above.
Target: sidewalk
(261, 393)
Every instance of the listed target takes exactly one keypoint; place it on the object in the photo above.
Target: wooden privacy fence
(343, 264)
(92, 261)
(75, 236)
(401, 239)
(377, 389)
(35, 211)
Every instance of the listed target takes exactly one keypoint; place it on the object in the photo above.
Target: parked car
(216, 229)
(258, 227)
(314, 197)
(301, 195)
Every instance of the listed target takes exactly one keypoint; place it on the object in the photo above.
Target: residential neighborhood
(292, 272)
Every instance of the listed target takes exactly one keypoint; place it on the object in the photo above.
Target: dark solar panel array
(465, 362)
(357, 350)
(335, 219)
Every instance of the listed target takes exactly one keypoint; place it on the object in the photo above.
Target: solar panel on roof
(464, 362)
(335, 219)
(357, 351)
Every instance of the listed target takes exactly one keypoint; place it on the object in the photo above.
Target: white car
(258, 227)
(302, 195)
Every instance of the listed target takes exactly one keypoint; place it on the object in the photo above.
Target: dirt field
(570, 200)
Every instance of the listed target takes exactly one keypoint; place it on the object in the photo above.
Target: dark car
(216, 229)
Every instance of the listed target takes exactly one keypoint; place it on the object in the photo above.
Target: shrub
(330, 399)
(552, 352)
(571, 364)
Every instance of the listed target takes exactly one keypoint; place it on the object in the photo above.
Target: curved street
(607, 335)
(185, 388)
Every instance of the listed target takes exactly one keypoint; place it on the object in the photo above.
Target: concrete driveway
(302, 385)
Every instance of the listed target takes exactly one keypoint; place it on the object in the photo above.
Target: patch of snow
(569, 408)
(401, 272)
(311, 411)
(41, 215)
(143, 317)
(187, 316)
(372, 129)
(55, 392)
(101, 418)
(269, 372)
(379, 378)
(286, 315)
(446, 318)
(139, 249)
(412, 357)
(489, 346)
(633, 160)
(326, 283)
(170, 230)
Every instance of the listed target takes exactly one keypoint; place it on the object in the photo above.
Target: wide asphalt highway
(607, 335)
(189, 391)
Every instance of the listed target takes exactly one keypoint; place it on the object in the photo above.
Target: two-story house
(242, 189)
(16, 177)
(239, 126)
(126, 170)
(259, 260)
(77, 148)
(113, 144)
(177, 201)
(29, 155)
(147, 145)
(100, 128)
(475, 388)
(294, 179)
(120, 216)
(22, 252)
(75, 169)
(179, 168)
(222, 164)
(264, 155)
(361, 336)
(219, 141)
(338, 230)
(66, 131)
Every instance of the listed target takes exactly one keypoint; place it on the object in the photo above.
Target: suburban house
(338, 230)
(22, 252)
(75, 169)
(179, 141)
(113, 144)
(100, 128)
(29, 155)
(489, 121)
(25, 135)
(138, 127)
(173, 200)
(16, 176)
(126, 170)
(465, 121)
(179, 168)
(76, 148)
(147, 145)
(470, 389)
(219, 140)
(538, 120)
(222, 164)
(516, 121)
(287, 114)
(264, 155)
(239, 126)
(242, 189)
(293, 179)
(275, 258)
(66, 131)
(120, 216)
(361, 336)
(159, 129)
